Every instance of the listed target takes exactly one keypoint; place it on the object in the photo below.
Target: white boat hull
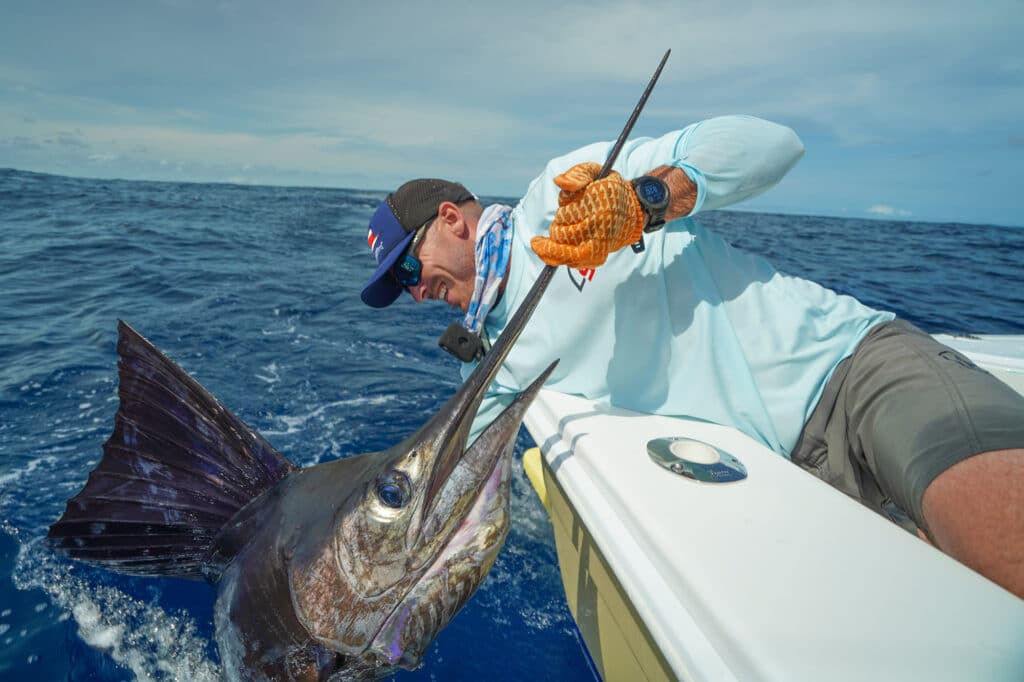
(774, 577)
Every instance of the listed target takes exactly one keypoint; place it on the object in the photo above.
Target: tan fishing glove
(594, 218)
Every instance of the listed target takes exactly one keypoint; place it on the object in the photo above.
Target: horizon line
(739, 209)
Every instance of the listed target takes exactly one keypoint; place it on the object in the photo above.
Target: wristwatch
(654, 197)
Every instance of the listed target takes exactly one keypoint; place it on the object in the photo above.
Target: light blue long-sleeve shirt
(690, 326)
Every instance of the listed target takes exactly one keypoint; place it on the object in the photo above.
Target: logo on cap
(373, 240)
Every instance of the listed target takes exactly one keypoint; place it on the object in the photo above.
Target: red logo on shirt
(580, 277)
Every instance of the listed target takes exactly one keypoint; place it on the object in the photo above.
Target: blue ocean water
(254, 290)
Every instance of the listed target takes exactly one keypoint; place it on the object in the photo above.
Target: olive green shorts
(898, 412)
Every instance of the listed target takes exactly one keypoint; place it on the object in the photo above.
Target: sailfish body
(343, 570)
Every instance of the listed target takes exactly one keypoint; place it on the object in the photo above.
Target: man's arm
(707, 165)
(681, 189)
(734, 158)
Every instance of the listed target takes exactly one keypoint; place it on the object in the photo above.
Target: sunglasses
(408, 268)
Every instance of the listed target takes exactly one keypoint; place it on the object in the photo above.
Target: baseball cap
(392, 228)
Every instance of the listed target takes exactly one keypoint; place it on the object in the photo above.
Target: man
(690, 326)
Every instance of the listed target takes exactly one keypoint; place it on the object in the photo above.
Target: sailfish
(344, 570)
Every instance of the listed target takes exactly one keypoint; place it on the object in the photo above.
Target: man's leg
(975, 513)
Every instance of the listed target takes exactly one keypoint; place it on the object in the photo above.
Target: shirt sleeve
(729, 158)
(734, 158)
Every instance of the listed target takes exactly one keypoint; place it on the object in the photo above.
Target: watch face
(653, 192)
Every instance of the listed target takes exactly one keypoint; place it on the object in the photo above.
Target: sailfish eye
(393, 490)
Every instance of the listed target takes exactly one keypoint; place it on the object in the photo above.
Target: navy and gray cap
(393, 225)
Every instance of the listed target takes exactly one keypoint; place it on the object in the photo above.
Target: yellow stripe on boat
(618, 642)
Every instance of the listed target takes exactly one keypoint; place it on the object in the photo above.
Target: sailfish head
(418, 532)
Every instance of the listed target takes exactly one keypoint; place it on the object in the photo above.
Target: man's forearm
(682, 191)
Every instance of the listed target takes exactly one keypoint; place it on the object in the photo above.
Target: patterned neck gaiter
(493, 248)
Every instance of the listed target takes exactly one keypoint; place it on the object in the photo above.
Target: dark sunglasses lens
(407, 270)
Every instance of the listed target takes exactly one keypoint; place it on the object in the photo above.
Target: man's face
(449, 264)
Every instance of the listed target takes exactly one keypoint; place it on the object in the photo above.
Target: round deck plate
(696, 460)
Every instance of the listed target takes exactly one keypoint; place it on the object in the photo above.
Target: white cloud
(888, 211)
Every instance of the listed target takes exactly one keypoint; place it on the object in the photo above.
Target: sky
(909, 110)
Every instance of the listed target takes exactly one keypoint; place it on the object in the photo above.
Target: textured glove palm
(594, 218)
